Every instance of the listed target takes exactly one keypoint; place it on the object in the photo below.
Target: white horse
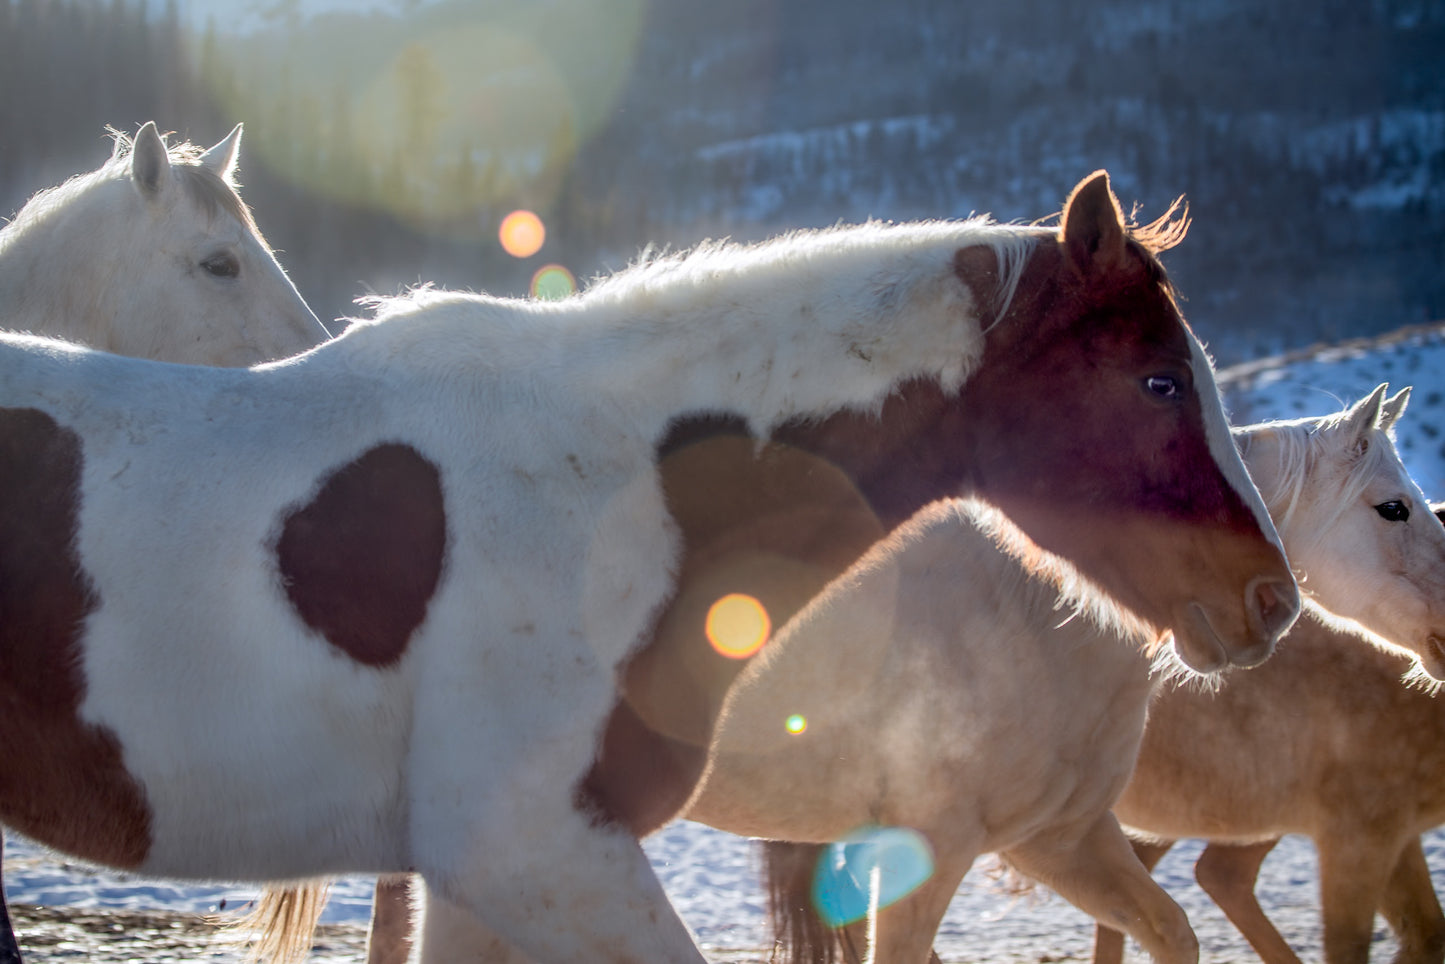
(154, 255)
(439, 594)
(958, 685)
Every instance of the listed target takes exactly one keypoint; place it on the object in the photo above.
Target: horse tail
(799, 933)
(282, 924)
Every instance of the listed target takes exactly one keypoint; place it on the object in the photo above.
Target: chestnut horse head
(1091, 374)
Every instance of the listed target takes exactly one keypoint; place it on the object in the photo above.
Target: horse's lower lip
(1433, 658)
(1197, 644)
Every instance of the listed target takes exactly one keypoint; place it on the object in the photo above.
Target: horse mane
(696, 273)
(1164, 232)
(207, 189)
(1304, 443)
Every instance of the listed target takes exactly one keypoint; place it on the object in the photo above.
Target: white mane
(817, 305)
(1303, 444)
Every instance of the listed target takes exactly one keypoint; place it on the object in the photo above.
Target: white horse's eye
(1165, 386)
(223, 265)
(1393, 511)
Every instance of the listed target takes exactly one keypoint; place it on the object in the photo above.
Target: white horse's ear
(150, 164)
(1393, 408)
(1364, 416)
(221, 159)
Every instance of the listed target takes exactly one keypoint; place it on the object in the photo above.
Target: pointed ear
(1364, 415)
(1393, 408)
(221, 159)
(1093, 227)
(150, 165)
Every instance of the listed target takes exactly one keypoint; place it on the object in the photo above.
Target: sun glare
(552, 282)
(737, 626)
(522, 234)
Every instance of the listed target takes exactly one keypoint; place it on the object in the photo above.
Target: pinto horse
(436, 595)
(154, 255)
(1326, 740)
(155, 233)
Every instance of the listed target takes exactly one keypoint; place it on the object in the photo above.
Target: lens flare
(522, 234)
(737, 625)
(796, 723)
(872, 867)
(552, 282)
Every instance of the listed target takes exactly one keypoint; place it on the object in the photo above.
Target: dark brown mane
(1165, 231)
(1158, 236)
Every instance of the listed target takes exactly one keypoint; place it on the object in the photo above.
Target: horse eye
(224, 265)
(1165, 386)
(1393, 511)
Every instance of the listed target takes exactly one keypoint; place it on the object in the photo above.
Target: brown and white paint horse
(154, 254)
(434, 595)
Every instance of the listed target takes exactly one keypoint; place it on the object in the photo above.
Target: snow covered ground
(1325, 378)
(711, 876)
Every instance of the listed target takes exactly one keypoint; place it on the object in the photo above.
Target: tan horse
(1323, 740)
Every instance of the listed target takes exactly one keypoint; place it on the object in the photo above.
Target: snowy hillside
(1325, 378)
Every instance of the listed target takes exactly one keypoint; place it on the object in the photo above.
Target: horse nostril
(1275, 604)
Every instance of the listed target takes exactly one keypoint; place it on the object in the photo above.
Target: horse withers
(436, 595)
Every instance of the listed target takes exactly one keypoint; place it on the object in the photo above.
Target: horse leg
(1355, 867)
(391, 924)
(1413, 910)
(447, 933)
(598, 900)
(1108, 942)
(1099, 873)
(9, 949)
(902, 932)
(1228, 873)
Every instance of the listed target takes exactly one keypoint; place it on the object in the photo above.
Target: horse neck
(800, 327)
(53, 232)
(973, 575)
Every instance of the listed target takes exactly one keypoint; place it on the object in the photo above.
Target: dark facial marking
(362, 559)
(63, 781)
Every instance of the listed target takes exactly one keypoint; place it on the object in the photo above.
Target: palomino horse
(1335, 746)
(957, 684)
(156, 233)
(436, 595)
(153, 255)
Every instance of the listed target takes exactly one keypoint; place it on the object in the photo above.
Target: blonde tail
(282, 924)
